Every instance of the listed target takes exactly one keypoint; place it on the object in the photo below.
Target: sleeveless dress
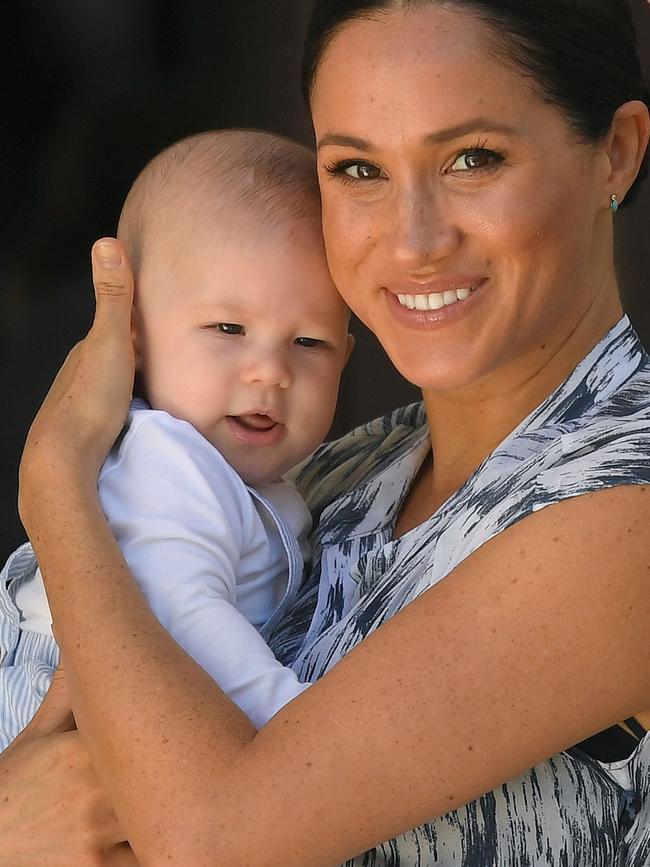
(591, 433)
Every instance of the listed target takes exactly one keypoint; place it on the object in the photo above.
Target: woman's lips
(434, 304)
(255, 429)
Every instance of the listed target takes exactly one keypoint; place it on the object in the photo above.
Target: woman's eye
(363, 172)
(356, 170)
(476, 160)
(308, 342)
(230, 328)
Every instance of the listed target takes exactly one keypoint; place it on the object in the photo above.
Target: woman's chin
(439, 372)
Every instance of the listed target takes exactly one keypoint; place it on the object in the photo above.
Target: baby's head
(238, 327)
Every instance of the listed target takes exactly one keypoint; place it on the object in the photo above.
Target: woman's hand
(86, 406)
(54, 813)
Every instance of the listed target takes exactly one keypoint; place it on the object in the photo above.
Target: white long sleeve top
(218, 561)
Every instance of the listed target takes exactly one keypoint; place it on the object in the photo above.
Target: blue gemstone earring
(613, 203)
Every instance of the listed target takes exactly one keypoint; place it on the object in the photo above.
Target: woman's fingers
(113, 280)
(107, 355)
(54, 812)
(85, 408)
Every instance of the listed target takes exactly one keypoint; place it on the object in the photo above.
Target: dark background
(90, 91)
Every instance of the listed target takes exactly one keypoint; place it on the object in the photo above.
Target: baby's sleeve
(182, 518)
(27, 659)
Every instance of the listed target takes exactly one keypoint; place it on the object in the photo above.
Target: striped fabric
(593, 432)
(26, 665)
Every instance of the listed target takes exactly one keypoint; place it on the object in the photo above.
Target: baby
(240, 340)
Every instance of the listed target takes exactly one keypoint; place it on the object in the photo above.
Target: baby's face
(246, 340)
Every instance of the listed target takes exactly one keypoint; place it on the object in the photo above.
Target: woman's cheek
(351, 234)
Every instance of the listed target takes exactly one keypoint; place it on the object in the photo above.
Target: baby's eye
(230, 328)
(476, 160)
(309, 342)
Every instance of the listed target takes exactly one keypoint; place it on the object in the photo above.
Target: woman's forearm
(117, 655)
(96, 605)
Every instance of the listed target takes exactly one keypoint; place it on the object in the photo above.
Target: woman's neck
(466, 425)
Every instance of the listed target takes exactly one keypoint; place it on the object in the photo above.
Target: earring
(613, 203)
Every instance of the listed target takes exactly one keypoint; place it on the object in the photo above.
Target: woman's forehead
(426, 64)
(422, 30)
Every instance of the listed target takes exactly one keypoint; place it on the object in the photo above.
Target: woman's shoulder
(617, 428)
(343, 464)
(606, 447)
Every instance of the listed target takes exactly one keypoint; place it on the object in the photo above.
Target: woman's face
(465, 223)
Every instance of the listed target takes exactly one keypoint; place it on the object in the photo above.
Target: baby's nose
(268, 369)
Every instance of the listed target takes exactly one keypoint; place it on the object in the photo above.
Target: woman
(472, 156)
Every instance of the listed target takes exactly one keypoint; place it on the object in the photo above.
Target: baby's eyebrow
(220, 309)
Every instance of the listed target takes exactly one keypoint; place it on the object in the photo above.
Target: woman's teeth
(436, 300)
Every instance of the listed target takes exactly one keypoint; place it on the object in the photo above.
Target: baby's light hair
(245, 177)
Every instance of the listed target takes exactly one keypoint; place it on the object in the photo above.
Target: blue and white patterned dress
(592, 433)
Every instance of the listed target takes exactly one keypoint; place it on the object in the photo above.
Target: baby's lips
(256, 421)
(256, 429)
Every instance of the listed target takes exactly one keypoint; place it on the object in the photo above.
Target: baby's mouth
(255, 421)
(256, 428)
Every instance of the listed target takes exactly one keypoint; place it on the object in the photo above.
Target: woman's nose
(423, 233)
(268, 368)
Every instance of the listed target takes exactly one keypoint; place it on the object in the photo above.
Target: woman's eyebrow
(441, 137)
(477, 125)
(347, 141)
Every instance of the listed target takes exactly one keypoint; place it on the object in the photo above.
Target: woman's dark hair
(582, 54)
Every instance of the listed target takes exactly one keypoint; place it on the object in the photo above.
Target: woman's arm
(464, 689)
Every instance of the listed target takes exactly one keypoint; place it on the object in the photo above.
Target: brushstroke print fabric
(592, 433)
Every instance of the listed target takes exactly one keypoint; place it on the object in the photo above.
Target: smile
(436, 300)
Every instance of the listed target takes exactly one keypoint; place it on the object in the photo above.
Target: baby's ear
(135, 337)
(348, 351)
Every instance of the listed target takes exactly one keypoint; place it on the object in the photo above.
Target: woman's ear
(626, 146)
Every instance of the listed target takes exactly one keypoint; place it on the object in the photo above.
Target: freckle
(471, 749)
(556, 539)
(451, 797)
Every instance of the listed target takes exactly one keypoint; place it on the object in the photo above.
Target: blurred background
(90, 91)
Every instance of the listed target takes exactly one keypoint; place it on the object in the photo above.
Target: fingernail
(108, 255)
